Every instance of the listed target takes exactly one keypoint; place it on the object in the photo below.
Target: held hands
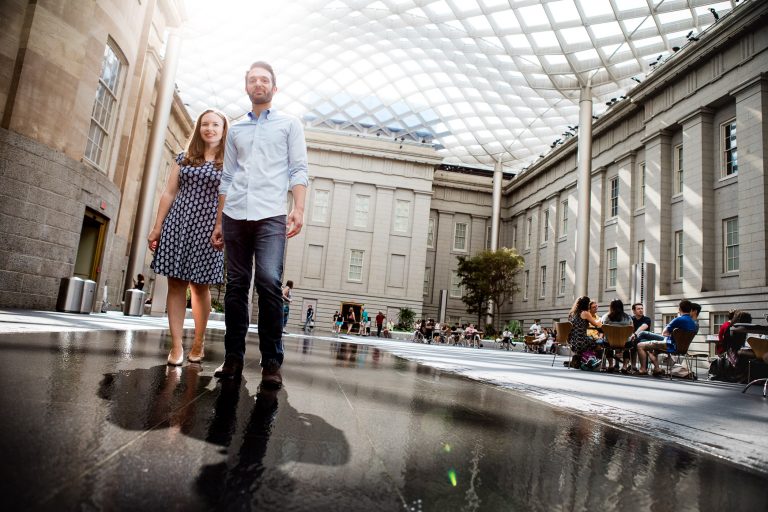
(153, 239)
(217, 238)
(294, 223)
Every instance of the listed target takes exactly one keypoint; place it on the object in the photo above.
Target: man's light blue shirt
(264, 156)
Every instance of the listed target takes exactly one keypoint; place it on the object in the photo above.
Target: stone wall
(43, 196)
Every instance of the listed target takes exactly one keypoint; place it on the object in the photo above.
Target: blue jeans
(265, 240)
(649, 336)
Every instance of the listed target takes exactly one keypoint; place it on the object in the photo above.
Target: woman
(287, 299)
(351, 319)
(617, 316)
(723, 332)
(181, 235)
(581, 343)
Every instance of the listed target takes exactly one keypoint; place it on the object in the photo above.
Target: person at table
(506, 338)
(592, 330)
(472, 336)
(640, 323)
(723, 332)
(582, 344)
(541, 340)
(616, 316)
(649, 343)
(535, 329)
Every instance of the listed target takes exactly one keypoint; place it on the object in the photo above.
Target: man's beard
(260, 100)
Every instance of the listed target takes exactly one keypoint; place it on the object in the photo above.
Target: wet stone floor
(96, 421)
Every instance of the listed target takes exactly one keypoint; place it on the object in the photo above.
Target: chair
(760, 348)
(616, 336)
(563, 330)
(682, 341)
(529, 343)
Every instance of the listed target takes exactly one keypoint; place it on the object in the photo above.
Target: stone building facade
(76, 102)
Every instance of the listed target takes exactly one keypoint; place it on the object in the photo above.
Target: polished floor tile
(97, 421)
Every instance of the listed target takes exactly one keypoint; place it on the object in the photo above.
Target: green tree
(489, 276)
(405, 317)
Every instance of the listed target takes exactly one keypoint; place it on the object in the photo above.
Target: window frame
(725, 139)
(526, 283)
(543, 282)
(611, 267)
(455, 285)
(641, 187)
(614, 197)
(562, 269)
(362, 264)
(564, 218)
(727, 246)
(545, 226)
(528, 230)
(358, 202)
(679, 255)
(315, 205)
(427, 281)
(455, 237)
(397, 226)
(641, 252)
(678, 165)
(431, 233)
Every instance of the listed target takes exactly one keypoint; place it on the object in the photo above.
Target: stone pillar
(658, 194)
(498, 177)
(382, 223)
(418, 256)
(444, 260)
(624, 240)
(336, 262)
(597, 256)
(699, 240)
(752, 143)
(584, 173)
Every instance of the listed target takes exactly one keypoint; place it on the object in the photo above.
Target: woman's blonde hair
(195, 154)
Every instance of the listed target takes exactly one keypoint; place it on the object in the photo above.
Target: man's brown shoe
(232, 368)
(271, 378)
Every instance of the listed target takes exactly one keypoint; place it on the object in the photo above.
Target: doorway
(357, 308)
(91, 246)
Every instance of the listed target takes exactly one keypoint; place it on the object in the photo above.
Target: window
(431, 233)
(460, 237)
(320, 205)
(678, 254)
(543, 287)
(545, 226)
(730, 164)
(362, 207)
(488, 238)
(612, 267)
(641, 188)
(716, 320)
(561, 272)
(456, 291)
(427, 277)
(355, 265)
(678, 169)
(666, 318)
(614, 196)
(564, 218)
(104, 111)
(528, 227)
(731, 239)
(641, 252)
(514, 237)
(526, 282)
(402, 214)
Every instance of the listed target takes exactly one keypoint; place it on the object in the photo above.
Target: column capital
(697, 115)
(598, 170)
(760, 81)
(629, 155)
(342, 182)
(385, 187)
(657, 137)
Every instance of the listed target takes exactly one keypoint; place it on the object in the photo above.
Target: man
(379, 323)
(309, 321)
(650, 343)
(639, 320)
(535, 329)
(265, 155)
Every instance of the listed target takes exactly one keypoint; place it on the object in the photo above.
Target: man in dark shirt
(639, 320)
(379, 323)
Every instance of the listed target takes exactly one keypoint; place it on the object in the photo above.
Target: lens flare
(452, 477)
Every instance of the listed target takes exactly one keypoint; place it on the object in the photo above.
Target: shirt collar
(266, 113)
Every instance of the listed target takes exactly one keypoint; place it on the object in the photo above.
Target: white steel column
(154, 156)
(498, 177)
(584, 190)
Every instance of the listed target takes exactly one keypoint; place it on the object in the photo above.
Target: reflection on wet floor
(96, 421)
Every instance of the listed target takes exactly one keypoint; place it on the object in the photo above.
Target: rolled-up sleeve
(230, 164)
(297, 156)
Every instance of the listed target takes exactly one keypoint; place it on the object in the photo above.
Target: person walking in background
(180, 237)
(287, 299)
(379, 323)
(351, 319)
(338, 321)
(309, 321)
(364, 325)
(266, 155)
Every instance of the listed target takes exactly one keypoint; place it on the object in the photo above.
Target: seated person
(541, 340)
(592, 329)
(723, 332)
(616, 316)
(387, 331)
(429, 329)
(506, 338)
(535, 328)
(650, 343)
(733, 365)
(582, 344)
(472, 335)
(445, 333)
(640, 323)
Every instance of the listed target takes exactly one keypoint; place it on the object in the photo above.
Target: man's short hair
(634, 306)
(695, 306)
(263, 65)
(685, 306)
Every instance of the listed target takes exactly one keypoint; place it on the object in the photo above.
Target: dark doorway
(358, 309)
(91, 247)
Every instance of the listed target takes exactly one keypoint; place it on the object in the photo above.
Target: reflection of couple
(242, 203)
(176, 398)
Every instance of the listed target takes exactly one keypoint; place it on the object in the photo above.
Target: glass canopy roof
(482, 80)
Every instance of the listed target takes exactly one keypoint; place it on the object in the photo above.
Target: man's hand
(217, 238)
(294, 223)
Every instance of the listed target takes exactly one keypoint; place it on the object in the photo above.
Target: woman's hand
(153, 239)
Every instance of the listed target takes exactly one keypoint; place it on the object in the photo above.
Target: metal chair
(760, 348)
(616, 336)
(529, 343)
(563, 330)
(682, 341)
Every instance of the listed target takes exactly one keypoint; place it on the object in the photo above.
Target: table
(753, 329)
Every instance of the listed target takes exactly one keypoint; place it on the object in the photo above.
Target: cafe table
(760, 348)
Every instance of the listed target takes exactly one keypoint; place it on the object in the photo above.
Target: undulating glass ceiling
(482, 80)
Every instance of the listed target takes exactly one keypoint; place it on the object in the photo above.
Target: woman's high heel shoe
(178, 362)
(197, 359)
